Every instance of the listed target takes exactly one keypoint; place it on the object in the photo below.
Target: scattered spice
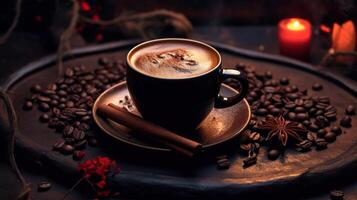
(281, 129)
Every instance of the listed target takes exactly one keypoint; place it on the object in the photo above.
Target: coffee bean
(350, 110)
(76, 124)
(81, 113)
(69, 72)
(312, 111)
(321, 133)
(223, 165)
(60, 126)
(85, 126)
(54, 102)
(52, 86)
(261, 112)
(69, 140)
(69, 104)
(36, 88)
(313, 127)
(275, 111)
(319, 112)
(27, 105)
(254, 136)
(336, 129)
(321, 143)
(266, 103)
(322, 121)
(44, 118)
(62, 100)
(253, 94)
(300, 109)
(83, 94)
(245, 146)
(292, 96)
(346, 121)
(324, 99)
(63, 86)
(273, 154)
(290, 105)
(294, 88)
(276, 98)
(91, 91)
(330, 108)
(43, 99)
(49, 93)
(288, 89)
(299, 102)
(44, 107)
(302, 116)
(68, 131)
(308, 104)
(78, 155)
(67, 149)
(86, 118)
(292, 116)
(269, 116)
(58, 145)
(306, 123)
(43, 186)
(222, 162)
(304, 146)
(78, 134)
(61, 106)
(81, 144)
(269, 89)
(330, 137)
(270, 107)
(62, 93)
(251, 160)
(88, 77)
(336, 195)
(284, 81)
(331, 115)
(311, 136)
(317, 87)
(321, 106)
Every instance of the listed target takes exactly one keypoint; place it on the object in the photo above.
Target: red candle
(294, 38)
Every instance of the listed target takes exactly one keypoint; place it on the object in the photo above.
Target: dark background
(46, 16)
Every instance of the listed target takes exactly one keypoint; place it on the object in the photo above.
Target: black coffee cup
(181, 103)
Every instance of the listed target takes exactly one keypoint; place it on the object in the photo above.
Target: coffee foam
(168, 59)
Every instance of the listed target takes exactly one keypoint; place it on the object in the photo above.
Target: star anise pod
(282, 129)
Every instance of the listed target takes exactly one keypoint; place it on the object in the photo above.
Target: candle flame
(295, 25)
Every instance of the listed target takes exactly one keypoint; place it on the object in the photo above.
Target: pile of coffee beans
(271, 97)
(66, 104)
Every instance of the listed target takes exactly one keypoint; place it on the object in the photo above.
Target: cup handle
(223, 102)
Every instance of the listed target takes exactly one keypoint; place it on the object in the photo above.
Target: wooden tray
(151, 174)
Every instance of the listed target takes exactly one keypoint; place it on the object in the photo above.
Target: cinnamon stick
(168, 138)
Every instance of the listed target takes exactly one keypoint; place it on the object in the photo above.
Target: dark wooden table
(24, 48)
